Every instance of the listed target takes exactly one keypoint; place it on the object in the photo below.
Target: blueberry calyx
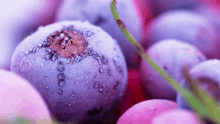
(67, 43)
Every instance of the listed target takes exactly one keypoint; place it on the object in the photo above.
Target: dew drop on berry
(60, 91)
(101, 70)
(61, 83)
(96, 85)
(101, 89)
(61, 76)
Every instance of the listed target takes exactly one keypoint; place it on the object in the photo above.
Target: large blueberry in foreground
(207, 73)
(78, 68)
(171, 55)
(98, 13)
(186, 26)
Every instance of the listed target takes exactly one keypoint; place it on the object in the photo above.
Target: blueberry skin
(77, 89)
(171, 55)
(98, 13)
(186, 26)
(207, 73)
(160, 6)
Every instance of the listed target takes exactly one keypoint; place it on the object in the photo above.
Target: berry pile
(67, 61)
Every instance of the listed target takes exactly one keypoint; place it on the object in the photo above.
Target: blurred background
(18, 19)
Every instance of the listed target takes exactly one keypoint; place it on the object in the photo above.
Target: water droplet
(47, 50)
(101, 70)
(41, 65)
(78, 58)
(73, 95)
(95, 76)
(101, 89)
(46, 87)
(104, 60)
(60, 91)
(116, 61)
(61, 76)
(26, 52)
(96, 85)
(34, 49)
(45, 44)
(67, 61)
(69, 104)
(60, 68)
(39, 45)
(119, 69)
(62, 35)
(48, 56)
(66, 38)
(55, 56)
(116, 85)
(109, 72)
(152, 109)
(61, 83)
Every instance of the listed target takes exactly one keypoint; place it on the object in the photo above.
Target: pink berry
(18, 99)
(144, 112)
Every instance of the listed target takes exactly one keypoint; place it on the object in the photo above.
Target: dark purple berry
(186, 26)
(171, 55)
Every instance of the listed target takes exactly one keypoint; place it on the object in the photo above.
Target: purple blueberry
(185, 26)
(171, 55)
(78, 68)
(207, 73)
(98, 13)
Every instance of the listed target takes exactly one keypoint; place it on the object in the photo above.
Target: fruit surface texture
(78, 68)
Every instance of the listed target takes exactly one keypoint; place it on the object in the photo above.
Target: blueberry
(207, 73)
(171, 55)
(98, 13)
(73, 90)
(186, 26)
